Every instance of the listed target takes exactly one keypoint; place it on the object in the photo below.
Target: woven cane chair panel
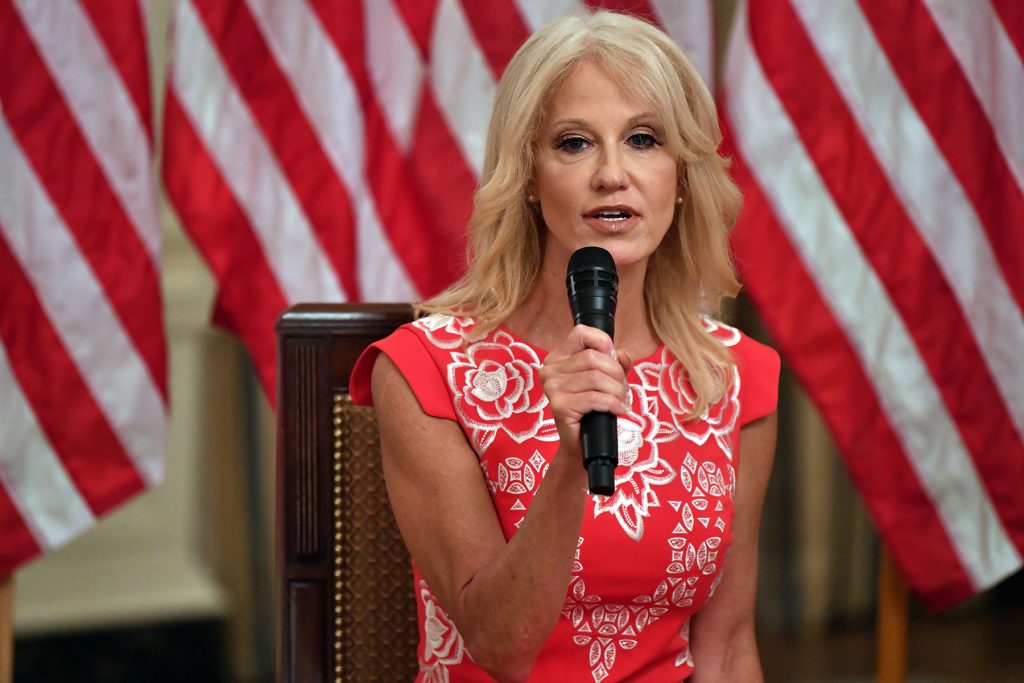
(374, 607)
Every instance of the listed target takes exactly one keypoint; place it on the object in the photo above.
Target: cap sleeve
(759, 379)
(406, 350)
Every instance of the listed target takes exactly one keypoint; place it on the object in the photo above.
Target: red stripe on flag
(499, 29)
(123, 33)
(78, 187)
(428, 234)
(268, 94)
(249, 299)
(417, 14)
(446, 185)
(894, 248)
(958, 124)
(19, 545)
(1011, 14)
(816, 348)
(74, 424)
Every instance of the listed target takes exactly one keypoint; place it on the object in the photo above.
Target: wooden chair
(347, 605)
(6, 629)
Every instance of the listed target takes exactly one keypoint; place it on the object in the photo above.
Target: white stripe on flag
(236, 144)
(935, 200)
(993, 67)
(101, 105)
(540, 12)
(81, 314)
(395, 67)
(776, 156)
(692, 29)
(458, 67)
(146, 13)
(327, 95)
(32, 474)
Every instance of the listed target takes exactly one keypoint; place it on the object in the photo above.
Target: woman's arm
(504, 597)
(722, 638)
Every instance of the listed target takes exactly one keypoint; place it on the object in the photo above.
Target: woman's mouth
(612, 219)
(612, 215)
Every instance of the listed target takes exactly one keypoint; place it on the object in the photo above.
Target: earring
(679, 200)
(531, 199)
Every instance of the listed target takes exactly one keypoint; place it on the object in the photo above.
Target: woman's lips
(611, 225)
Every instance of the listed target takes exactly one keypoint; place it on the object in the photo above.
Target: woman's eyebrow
(569, 122)
(645, 117)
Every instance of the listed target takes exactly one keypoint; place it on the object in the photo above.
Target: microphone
(593, 284)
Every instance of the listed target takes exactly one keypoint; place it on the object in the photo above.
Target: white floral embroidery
(492, 485)
(728, 335)
(604, 627)
(494, 387)
(685, 657)
(444, 331)
(669, 379)
(706, 484)
(577, 566)
(718, 420)
(443, 646)
(639, 434)
(518, 478)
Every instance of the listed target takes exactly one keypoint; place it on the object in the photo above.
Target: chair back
(347, 604)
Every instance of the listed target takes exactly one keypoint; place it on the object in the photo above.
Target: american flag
(880, 148)
(83, 361)
(328, 151)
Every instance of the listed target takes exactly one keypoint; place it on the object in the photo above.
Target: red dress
(650, 555)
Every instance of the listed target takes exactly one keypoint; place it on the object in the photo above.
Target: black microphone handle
(602, 321)
(598, 431)
(599, 440)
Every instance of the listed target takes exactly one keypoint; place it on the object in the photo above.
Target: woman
(602, 134)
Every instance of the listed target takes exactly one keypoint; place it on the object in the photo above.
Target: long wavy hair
(691, 270)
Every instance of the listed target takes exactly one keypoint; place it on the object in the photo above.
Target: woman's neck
(544, 319)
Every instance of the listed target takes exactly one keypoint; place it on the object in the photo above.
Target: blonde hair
(690, 272)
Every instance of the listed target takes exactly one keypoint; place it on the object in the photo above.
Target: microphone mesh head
(591, 257)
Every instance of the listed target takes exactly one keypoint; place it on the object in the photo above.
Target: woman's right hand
(584, 374)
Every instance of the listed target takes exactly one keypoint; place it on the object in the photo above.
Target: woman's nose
(610, 175)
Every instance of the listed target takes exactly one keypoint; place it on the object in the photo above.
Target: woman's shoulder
(416, 349)
(757, 368)
(746, 350)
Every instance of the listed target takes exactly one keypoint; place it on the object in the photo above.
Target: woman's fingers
(583, 337)
(573, 406)
(587, 360)
(581, 376)
(589, 380)
(625, 359)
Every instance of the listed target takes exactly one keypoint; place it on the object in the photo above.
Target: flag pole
(7, 629)
(893, 604)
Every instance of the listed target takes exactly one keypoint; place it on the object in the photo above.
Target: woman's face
(603, 175)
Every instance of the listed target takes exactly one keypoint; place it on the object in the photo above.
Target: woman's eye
(642, 140)
(573, 143)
